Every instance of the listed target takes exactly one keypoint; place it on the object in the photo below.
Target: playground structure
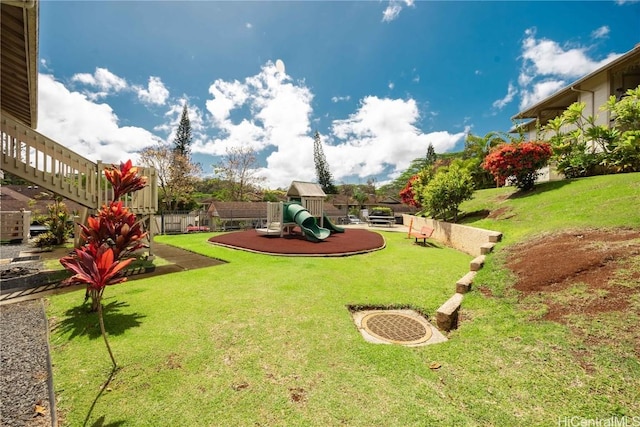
(304, 209)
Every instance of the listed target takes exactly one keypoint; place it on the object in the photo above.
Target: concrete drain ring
(396, 328)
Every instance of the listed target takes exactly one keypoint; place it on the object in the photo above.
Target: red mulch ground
(352, 241)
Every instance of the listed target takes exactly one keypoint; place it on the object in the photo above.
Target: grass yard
(269, 341)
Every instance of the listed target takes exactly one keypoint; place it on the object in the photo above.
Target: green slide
(306, 221)
(331, 226)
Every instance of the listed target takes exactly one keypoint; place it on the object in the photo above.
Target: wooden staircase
(50, 165)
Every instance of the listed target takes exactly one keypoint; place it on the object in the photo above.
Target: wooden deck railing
(44, 162)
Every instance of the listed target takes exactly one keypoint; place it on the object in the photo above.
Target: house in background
(244, 215)
(594, 89)
(345, 204)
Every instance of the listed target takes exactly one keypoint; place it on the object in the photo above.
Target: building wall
(600, 90)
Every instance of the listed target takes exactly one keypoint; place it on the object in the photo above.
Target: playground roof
(305, 189)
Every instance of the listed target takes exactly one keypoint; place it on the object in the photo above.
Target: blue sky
(379, 80)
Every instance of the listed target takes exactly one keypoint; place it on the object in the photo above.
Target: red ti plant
(110, 236)
(124, 179)
(96, 267)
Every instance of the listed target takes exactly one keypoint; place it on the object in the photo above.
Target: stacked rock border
(474, 241)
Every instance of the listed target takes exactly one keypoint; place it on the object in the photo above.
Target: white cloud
(156, 92)
(382, 134)
(601, 32)
(88, 128)
(103, 80)
(547, 57)
(248, 25)
(511, 92)
(547, 66)
(393, 9)
(621, 2)
(335, 99)
(391, 12)
(391, 85)
(279, 123)
(539, 92)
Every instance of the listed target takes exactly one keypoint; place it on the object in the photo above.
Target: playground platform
(352, 242)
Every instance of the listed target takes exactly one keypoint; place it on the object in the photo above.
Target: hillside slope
(594, 202)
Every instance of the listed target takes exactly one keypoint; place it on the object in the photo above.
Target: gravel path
(24, 357)
(24, 365)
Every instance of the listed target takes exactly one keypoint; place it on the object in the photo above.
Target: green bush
(442, 196)
(45, 240)
(381, 211)
(589, 149)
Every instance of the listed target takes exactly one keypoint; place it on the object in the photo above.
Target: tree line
(436, 183)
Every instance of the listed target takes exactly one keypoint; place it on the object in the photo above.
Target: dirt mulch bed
(586, 274)
(585, 279)
(351, 242)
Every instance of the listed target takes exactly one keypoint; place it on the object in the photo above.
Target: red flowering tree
(407, 194)
(518, 161)
(110, 237)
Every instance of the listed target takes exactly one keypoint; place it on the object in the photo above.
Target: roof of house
(19, 83)
(252, 210)
(238, 210)
(305, 189)
(30, 198)
(561, 99)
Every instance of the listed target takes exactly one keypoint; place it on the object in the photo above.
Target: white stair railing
(44, 162)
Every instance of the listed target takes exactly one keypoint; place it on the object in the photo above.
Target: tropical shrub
(583, 148)
(59, 224)
(109, 236)
(45, 240)
(519, 162)
(476, 148)
(407, 196)
(381, 211)
(410, 193)
(579, 145)
(624, 149)
(59, 221)
(442, 196)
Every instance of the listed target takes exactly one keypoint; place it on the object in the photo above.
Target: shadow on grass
(100, 421)
(540, 188)
(427, 244)
(80, 322)
(472, 216)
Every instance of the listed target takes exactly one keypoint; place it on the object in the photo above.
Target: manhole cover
(397, 327)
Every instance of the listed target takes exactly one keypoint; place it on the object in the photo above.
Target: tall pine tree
(431, 155)
(322, 168)
(182, 141)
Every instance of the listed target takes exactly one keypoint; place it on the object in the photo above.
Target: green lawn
(268, 340)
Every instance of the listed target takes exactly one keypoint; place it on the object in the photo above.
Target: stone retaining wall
(473, 241)
(461, 237)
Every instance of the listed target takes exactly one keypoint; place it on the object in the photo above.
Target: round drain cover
(397, 328)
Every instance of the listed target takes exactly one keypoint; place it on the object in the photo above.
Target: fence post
(26, 225)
